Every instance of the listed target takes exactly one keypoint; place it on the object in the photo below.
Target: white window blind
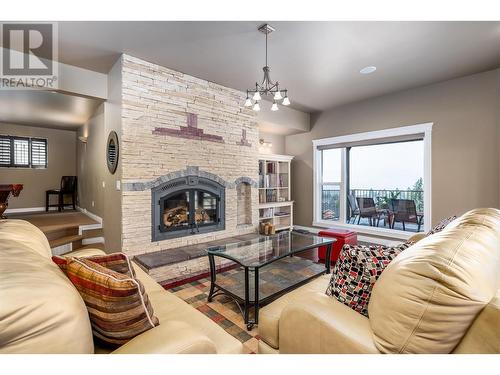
(38, 153)
(5, 149)
(23, 152)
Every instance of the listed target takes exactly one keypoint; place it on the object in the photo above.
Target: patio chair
(368, 210)
(405, 211)
(353, 206)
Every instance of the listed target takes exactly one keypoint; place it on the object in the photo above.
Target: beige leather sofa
(41, 311)
(441, 295)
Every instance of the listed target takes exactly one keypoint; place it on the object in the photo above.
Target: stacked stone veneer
(158, 104)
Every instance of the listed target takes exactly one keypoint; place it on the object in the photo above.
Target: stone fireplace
(189, 163)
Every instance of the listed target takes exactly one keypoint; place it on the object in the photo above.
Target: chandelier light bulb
(277, 95)
(256, 96)
(248, 102)
(286, 101)
(256, 107)
(274, 107)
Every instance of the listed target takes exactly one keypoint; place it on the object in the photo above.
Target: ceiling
(45, 109)
(318, 62)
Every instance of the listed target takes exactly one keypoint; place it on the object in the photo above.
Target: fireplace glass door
(189, 209)
(176, 211)
(205, 208)
(187, 206)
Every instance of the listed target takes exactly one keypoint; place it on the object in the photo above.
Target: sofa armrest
(85, 253)
(320, 324)
(417, 237)
(483, 336)
(171, 337)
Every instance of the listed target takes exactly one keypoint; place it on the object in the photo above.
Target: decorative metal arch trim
(189, 171)
(246, 180)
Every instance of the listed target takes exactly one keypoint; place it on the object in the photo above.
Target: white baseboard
(89, 214)
(63, 249)
(361, 237)
(90, 241)
(27, 210)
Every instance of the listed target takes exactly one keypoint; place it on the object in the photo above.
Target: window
(22, 152)
(377, 180)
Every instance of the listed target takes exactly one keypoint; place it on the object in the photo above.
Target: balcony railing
(330, 202)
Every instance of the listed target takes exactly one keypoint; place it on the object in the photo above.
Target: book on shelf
(271, 168)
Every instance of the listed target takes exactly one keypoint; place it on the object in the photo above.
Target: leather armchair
(441, 295)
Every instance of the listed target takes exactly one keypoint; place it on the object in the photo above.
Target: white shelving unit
(275, 204)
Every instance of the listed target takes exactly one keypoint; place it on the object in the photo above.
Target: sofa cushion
(428, 297)
(40, 310)
(169, 307)
(356, 271)
(118, 305)
(269, 316)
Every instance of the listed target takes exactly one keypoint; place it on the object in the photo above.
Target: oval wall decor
(112, 152)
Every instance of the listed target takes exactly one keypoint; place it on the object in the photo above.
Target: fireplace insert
(187, 206)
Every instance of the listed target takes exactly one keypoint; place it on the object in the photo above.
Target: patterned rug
(222, 310)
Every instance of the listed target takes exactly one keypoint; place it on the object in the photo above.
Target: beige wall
(465, 160)
(498, 130)
(61, 162)
(112, 217)
(97, 186)
(91, 163)
(277, 140)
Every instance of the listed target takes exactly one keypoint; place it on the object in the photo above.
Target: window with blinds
(23, 152)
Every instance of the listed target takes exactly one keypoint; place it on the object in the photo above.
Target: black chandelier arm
(264, 91)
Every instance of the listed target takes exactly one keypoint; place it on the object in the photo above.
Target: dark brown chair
(353, 206)
(68, 187)
(368, 210)
(405, 211)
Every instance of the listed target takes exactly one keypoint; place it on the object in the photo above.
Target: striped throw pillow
(118, 306)
(118, 262)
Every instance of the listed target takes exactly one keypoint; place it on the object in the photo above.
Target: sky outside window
(388, 166)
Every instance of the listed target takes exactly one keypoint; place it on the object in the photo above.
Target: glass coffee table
(268, 267)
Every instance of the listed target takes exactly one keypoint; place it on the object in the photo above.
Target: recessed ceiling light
(368, 69)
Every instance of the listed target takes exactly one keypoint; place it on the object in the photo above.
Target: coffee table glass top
(266, 249)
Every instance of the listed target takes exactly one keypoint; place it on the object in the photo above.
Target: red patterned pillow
(356, 271)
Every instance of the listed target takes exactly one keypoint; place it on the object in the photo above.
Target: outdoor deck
(330, 206)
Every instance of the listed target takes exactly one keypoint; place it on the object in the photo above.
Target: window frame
(12, 164)
(378, 135)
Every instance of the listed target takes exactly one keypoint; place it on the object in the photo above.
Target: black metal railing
(382, 197)
(330, 199)
(330, 204)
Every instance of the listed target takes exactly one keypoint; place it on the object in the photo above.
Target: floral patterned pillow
(357, 270)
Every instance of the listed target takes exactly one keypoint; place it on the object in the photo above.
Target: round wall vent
(112, 152)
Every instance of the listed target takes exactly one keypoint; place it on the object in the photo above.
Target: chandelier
(267, 87)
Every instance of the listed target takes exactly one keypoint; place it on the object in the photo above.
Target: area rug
(222, 310)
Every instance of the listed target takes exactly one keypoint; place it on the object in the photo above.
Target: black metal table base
(248, 304)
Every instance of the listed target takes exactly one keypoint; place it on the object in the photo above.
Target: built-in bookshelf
(275, 203)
